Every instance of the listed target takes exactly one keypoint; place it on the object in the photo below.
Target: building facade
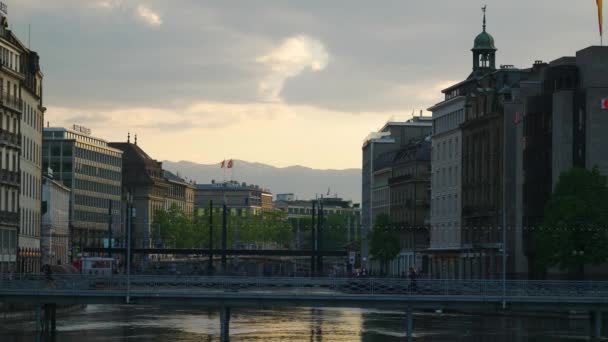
(180, 193)
(11, 74)
(144, 184)
(245, 198)
(562, 127)
(409, 187)
(55, 236)
(446, 188)
(91, 169)
(32, 119)
(375, 151)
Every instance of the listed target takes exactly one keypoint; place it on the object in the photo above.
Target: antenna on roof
(29, 35)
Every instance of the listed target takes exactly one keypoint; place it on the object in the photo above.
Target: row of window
(99, 155)
(446, 150)
(9, 199)
(30, 186)
(95, 202)
(30, 150)
(445, 177)
(8, 159)
(102, 188)
(448, 122)
(9, 122)
(30, 222)
(8, 241)
(447, 205)
(10, 59)
(87, 216)
(32, 117)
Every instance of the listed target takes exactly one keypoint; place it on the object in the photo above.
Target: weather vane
(483, 9)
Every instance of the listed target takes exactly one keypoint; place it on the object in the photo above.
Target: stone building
(21, 117)
(55, 236)
(180, 193)
(446, 188)
(144, 184)
(409, 205)
(31, 124)
(245, 198)
(375, 151)
(563, 126)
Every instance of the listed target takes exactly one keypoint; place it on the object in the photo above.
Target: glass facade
(93, 171)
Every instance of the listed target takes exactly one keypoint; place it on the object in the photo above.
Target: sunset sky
(277, 82)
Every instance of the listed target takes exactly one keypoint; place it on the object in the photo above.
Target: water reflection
(122, 323)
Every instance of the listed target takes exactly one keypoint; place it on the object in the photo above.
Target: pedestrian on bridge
(413, 275)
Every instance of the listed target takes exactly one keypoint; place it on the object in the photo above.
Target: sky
(281, 82)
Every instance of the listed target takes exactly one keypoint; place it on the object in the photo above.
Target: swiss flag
(604, 103)
(230, 164)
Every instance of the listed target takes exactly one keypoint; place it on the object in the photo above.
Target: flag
(230, 164)
(223, 164)
(600, 16)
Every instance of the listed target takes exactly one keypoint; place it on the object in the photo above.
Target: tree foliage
(384, 240)
(179, 230)
(574, 232)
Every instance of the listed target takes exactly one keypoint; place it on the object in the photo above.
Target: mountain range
(305, 183)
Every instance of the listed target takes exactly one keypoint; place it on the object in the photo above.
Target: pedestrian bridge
(387, 293)
(271, 291)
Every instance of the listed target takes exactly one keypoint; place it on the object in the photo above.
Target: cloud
(107, 4)
(273, 132)
(148, 16)
(289, 59)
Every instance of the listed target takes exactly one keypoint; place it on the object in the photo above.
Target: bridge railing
(87, 284)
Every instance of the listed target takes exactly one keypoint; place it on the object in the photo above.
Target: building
(145, 186)
(91, 168)
(31, 123)
(409, 188)
(180, 193)
(11, 108)
(563, 126)
(489, 166)
(55, 235)
(446, 187)
(244, 198)
(299, 212)
(21, 118)
(285, 198)
(376, 151)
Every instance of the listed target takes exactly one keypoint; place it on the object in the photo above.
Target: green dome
(484, 41)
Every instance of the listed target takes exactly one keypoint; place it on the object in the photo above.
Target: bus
(97, 266)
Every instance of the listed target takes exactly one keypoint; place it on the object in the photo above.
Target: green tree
(574, 232)
(175, 228)
(384, 241)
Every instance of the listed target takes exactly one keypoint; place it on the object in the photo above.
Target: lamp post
(130, 216)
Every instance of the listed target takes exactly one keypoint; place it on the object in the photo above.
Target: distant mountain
(302, 181)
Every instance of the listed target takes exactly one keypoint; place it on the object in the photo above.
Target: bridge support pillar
(38, 318)
(53, 316)
(225, 324)
(47, 314)
(596, 321)
(410, 324)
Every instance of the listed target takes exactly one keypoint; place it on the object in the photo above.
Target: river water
(139, 323)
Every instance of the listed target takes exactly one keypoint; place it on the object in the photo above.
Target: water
(122, 323)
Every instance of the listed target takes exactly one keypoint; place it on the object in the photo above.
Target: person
(48, 274)
(412, 277)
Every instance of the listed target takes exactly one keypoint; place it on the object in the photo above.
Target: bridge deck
(345, 292)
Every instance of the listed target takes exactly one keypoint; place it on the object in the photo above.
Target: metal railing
(471, 290)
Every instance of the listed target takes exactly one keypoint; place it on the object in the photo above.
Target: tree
(574, 232)
(175, 228)
(384, 241)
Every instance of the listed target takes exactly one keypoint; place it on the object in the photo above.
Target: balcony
(10, 177)
(9, 138)
(11, 102)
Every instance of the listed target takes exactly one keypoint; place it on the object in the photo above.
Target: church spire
(484, 8)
